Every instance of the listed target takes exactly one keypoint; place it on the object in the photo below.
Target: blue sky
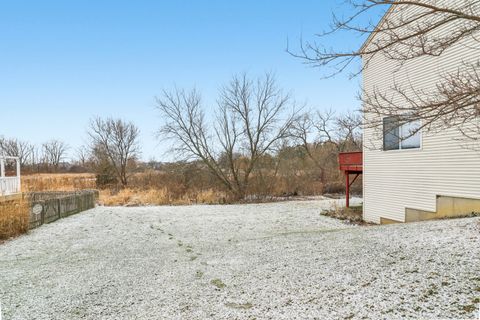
(64, 62)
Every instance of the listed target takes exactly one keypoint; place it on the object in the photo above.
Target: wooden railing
(9, 185)
(351, 161)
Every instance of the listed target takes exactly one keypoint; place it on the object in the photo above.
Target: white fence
(9, 184)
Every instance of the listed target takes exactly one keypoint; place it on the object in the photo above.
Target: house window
(399, 136)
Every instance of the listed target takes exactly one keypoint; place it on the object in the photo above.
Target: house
(426, 175)
(9, 176)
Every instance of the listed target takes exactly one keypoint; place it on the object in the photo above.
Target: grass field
(58, 182)
(152, 196)
(147, 195)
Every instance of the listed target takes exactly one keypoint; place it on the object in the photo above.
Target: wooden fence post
(42, 214)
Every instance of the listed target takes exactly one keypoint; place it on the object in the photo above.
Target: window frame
(400, 149)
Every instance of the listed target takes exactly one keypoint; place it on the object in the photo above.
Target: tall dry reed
(58, 182)
(14, 218)
(137, 197)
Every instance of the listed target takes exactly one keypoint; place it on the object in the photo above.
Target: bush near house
(352, 214)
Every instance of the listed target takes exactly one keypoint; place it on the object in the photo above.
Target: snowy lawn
(265, 261)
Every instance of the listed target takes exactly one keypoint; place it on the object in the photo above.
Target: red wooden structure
(350, 163)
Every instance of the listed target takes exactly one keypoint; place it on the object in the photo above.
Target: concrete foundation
(447, 207)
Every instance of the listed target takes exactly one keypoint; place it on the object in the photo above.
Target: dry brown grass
(58, 182)
(178, 188)
(147, 191)
(14, 218)
(136, 197)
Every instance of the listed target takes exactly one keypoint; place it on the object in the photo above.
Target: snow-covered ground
(262, 261)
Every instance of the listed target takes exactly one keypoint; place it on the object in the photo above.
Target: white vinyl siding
(445, 164)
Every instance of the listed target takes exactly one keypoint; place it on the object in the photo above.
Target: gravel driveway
(265, 261)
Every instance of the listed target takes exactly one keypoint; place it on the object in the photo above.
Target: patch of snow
(266, 261)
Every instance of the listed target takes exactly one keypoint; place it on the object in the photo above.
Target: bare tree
(16, 148)
(322, 135)
(118, 141)
(348, 131)
(54, 151)
(410, 30)
(251, 119)
(82, 154)
(36, 158)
